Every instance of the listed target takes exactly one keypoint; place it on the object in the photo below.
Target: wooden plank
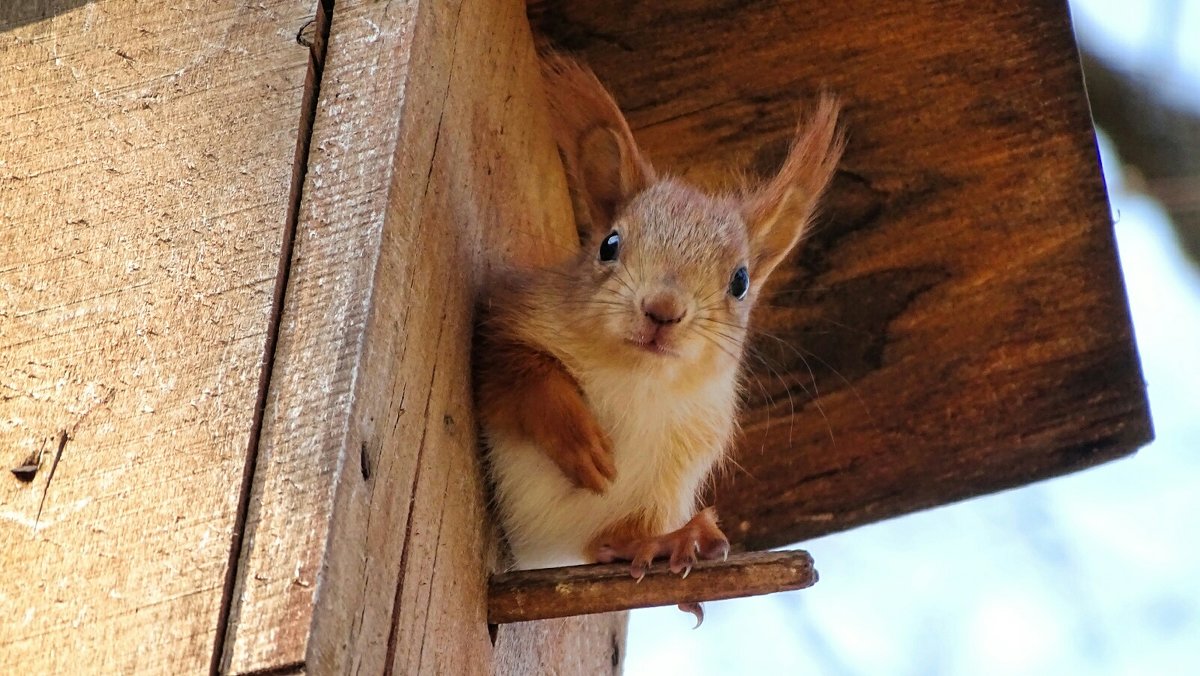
(956, 323)
(524, 595)
(366, 545)
(145, 156)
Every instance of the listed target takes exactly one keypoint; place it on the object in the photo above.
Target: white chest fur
(664, 446)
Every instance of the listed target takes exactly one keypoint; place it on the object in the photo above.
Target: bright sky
(1095, 573)
(1157, 39)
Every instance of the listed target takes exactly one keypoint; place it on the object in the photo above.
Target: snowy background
(1094, 573)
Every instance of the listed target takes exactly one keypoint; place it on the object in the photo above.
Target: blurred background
(1093, 573)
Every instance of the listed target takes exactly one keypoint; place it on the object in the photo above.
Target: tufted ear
(604, 165)
(778, 213)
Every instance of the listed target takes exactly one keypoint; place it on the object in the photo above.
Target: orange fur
(632, 528)
(527, 392)
(586, 122)
(778, 213)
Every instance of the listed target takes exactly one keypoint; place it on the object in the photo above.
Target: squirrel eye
(740, 283)
(609, 247)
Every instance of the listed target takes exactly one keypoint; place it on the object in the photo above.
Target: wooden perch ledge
(581, 590)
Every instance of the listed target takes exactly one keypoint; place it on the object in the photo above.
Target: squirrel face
(668, 273)
(670, 279)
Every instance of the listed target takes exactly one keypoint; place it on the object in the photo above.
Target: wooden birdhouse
(240, 245)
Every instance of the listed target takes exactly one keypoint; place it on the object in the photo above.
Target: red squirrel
(607, 387)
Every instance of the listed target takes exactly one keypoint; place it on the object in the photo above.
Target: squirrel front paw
(699, 538)
(583, 453)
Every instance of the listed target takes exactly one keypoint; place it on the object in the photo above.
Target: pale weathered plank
(474, 164)
(367, 544)
(587, 645)
(145, 156)
(955, 324)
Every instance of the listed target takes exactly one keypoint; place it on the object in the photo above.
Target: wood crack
(308, 110)
(62, 444)
(408, 531)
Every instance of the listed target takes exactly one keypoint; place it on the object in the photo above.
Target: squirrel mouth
(653, 346)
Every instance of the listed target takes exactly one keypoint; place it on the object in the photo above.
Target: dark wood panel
(956, 322)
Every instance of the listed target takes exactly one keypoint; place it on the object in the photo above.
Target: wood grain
(587, 645)
(956, 323)
(145, 156)
(367, 544)
(526, 595)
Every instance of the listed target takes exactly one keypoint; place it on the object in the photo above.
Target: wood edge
(802, 528)
(245, 525)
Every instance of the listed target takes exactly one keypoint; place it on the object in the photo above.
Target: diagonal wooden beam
(956, 322)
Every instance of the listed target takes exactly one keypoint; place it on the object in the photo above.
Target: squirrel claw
(695, 609)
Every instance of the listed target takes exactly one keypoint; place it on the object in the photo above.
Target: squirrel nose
(664, 309)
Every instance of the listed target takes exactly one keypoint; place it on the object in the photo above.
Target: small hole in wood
(364, 461)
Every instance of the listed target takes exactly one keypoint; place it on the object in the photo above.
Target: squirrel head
(667, 272)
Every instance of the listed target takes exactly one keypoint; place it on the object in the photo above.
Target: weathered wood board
(366, 543)
(585, 645)
(956, 322)
(145, 156)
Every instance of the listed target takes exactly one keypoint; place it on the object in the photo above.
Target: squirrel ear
(609, 174)
(778, 213)
(604, 166)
